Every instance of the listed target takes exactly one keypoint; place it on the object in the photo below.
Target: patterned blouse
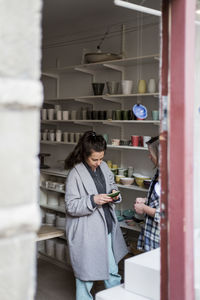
(149, 238)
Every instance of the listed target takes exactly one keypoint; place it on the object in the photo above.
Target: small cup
(125, 115)
(112, 87)
(142, 86)
(50, 114)
(73, 115)
(115, 142)
(127, 86)
(155, 115)
(71, 137)
(44, 135)
(109, 115)
(135, 140)
(44, 114)
(52, 136)
(58, 135)
(77, 137)
(65, 136)
(98, 88)
(84, 114)
(118, 115)
(65, 115)
(59, 115)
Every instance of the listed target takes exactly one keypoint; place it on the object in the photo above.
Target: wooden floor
(54, 283)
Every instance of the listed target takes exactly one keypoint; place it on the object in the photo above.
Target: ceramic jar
(152, 85)
(127, 86)
(142, 86)
(58, 135)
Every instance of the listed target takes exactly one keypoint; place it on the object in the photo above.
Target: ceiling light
(136, 7)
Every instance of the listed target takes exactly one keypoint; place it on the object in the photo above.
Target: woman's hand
(139, 208)
(141, 200)
(101, 199)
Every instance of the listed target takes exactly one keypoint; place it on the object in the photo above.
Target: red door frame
(178, 278)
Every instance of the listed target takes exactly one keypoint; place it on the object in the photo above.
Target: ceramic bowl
(127, 180)
(128, 214)
(147, 183)
(139, 179)
(120, 218)
(99, 57)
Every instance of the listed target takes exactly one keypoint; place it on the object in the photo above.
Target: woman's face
(95, 159)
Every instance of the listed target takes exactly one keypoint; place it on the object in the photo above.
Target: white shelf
(55, 208)
(55, 172)
(106, 122)
(126, 62)
(132, 187)
(137, 227)
(53, 190)
(90, 98)
(108, 146)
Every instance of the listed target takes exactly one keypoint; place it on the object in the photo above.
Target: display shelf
(132, 187)
(137, 227)
(54, 208)
(106, 122)
(112, 64)
(55, 172)
(108, 146)
(48, 232)
(91, 98)
(52, 190)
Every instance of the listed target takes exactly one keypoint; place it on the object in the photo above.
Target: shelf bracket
(111, 124)
(86, 71)
(83, 101)
(116, 68)
(115, 100)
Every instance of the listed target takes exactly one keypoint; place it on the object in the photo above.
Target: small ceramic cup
(135, 140)
(127, 86)
(58, 135)
(59, 115)
(71, 137)
(155, 115)
(44, 114)
(73, 115)
(65, 136)
(50, 114)
(65, 115)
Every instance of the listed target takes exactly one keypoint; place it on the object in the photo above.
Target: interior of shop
(100, 72)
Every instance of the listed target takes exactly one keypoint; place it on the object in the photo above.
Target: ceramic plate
(140, 111)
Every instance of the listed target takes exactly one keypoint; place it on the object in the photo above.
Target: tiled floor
(54, 283)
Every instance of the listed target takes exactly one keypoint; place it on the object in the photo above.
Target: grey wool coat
(86, 227)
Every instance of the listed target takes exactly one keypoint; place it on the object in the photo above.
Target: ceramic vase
(142, 86)
(152, 85)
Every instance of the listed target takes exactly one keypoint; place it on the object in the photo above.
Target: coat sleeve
(77, 205)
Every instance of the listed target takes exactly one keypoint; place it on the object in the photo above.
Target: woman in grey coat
(95, 241)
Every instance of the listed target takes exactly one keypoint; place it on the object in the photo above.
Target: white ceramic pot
(44, 114)
(58, 135)
(50, 218)
(50, 113)
(60, 222)
(60, 251)
(152, 85)
(50, 247)
(52, 198)
(145, 140)
(127, 86)
(65, 115)
(65, 137)
(59, 115)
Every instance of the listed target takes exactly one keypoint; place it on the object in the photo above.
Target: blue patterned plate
(140, 111)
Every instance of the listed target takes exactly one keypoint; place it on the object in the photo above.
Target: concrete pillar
(20, 99)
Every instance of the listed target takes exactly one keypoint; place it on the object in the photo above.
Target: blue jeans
(83, 288)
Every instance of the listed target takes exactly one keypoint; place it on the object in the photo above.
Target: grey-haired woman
(149, 238)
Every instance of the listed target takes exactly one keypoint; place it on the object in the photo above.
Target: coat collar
(87, 179)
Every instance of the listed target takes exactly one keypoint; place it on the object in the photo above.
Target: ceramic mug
(115, 142)
(44, 114)
(65, 115)
(59, 115)
(71, 137)
(50, 114)
(135, 140)
(58, 135)
(127, 86)
(73, 115)
(65, 136)
(155, 115)
(84, 114)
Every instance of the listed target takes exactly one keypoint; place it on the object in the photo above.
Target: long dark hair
(88, 143)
